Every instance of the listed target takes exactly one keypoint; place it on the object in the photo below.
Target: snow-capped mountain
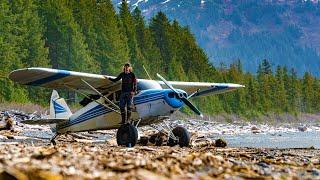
(286, 32)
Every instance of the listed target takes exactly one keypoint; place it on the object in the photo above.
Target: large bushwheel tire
(183, 137)
(127, 135)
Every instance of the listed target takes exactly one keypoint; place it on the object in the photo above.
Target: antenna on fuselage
(147, 72)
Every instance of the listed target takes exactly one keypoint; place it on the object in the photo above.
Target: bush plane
(153, 104)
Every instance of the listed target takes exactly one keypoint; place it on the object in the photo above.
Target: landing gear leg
(52, 140)
(178, 135)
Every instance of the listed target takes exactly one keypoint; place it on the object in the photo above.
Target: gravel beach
(25, 153)
(103, 161)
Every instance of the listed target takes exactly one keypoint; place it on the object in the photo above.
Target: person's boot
(123, 116)
(128, 116)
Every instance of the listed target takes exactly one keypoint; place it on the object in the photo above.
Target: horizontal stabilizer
(44, 121)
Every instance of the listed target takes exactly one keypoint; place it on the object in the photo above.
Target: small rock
(8, 123)
(197, 162)
(143, 141)
(255, 130)
(315, 172)
(220, 143)
(263, 164)
(10, 136)
(302, 128)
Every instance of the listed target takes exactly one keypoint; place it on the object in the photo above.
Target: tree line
(91, 36)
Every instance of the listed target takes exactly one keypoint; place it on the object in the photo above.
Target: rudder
(58, 107)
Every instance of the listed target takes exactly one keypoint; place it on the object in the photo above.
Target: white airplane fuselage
(149, 106)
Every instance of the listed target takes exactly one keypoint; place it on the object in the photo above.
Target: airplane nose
(173, 99)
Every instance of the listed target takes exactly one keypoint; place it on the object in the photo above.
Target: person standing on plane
(128, 90)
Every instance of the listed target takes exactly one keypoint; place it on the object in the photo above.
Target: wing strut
(94, 89)
(92, 99)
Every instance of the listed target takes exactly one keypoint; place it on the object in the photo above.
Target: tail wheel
(127, 135)
(182, 135)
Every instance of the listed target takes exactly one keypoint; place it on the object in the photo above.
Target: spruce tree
(280, 96)
(31, 42)
(10, 54)
(146, 44)
(128, 24)
(307, 92)
(102, 31)
(160, 28)
(67, 48)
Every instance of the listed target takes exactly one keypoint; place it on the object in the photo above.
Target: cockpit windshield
(148, 84)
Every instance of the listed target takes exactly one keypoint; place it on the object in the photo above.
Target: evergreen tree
(31, 43)
(67, 49)
(293, 91)
(10, 54)
(280, 96)
(101, 28)
(160, 28)
(128, 23)
(265, 80)
(307, 92)
(146, 44)
(88, 35)
(252, 96)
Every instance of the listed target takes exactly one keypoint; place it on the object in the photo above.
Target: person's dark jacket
(129, 82)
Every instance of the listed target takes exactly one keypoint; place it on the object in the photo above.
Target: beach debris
(220, 143)
(102, 161)
(7, 122)
(143, 141)
(255, 130)
(302, 128)
(87, 156)
(158, 139)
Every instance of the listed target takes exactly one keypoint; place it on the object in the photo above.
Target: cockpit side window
(148, 84)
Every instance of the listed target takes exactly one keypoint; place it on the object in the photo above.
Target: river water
(236, 135)
(279, 140)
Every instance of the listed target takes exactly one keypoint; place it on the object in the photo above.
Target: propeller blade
(185, 100)
(191, 95)
(191, 106)
(167, 83)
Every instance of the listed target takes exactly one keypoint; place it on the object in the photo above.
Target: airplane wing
(44, 121)
(62, 79)
(203, 88)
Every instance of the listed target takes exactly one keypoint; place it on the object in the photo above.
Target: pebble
(255, 130)
(302, 128)
(315, 172)
(263, 164)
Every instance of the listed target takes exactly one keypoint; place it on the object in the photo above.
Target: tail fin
(58, 107)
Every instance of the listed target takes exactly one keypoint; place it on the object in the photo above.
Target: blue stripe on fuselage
(147, 99)
(92, 113)
(101, 110)
(60, 74)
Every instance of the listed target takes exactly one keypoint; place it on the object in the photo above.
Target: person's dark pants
(125, 102)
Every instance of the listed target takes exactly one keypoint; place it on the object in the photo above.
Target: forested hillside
(90, 36)
(286, 32)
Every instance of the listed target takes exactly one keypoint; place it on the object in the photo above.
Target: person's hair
(127, 65)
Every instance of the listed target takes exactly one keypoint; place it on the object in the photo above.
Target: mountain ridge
(284, 32)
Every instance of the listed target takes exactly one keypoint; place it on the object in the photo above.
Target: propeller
(181, 96)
